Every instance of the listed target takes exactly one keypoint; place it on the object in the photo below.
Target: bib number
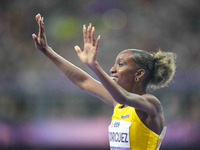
(119, 135)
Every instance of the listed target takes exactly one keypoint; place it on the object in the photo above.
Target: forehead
(125, 55)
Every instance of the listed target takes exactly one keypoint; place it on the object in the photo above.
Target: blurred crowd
(32, 88)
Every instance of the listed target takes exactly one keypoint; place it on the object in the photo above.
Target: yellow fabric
(141, 137)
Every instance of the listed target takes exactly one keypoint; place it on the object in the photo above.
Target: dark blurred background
(41, 109)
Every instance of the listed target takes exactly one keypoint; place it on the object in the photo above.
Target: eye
(120, 64)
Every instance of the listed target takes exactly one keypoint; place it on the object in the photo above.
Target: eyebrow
(120, 59)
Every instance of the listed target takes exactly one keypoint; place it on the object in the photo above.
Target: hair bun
(164, 69)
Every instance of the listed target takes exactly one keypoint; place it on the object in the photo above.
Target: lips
(113, 77)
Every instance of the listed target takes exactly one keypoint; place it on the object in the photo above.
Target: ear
(140, 73)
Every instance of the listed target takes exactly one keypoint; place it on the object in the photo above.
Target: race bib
(119, 135)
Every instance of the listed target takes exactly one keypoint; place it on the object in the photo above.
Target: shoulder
(151, 98)
(154, 101)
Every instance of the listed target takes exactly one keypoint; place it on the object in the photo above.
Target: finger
(97, 43)
(40, 27)
(77, 49)
(92, 36)
(89, 32)
(35, 39)
(37, 17)
(84, 34)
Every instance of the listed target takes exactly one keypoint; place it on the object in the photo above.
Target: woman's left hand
(88, 55)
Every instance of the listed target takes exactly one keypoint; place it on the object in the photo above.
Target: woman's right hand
(90, 50)
(40, 40)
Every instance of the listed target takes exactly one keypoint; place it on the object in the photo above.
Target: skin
(72, 72)
(119, 87)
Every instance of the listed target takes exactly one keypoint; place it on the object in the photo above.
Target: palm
(88, 55)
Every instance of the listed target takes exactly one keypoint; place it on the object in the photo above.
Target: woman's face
(124, 69)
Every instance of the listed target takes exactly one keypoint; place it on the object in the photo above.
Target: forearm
(117, 92)
(75, 74)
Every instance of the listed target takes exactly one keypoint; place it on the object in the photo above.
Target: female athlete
(138, 122)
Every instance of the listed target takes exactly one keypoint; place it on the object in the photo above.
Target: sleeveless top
(127, 131)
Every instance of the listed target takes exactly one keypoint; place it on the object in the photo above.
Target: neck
(138, 88)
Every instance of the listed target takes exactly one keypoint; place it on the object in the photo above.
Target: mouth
(114, 77)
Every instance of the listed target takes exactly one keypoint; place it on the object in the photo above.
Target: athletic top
(128, 132)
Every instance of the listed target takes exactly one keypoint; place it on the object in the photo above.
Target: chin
(114, 80)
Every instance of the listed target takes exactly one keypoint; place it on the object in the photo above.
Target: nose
(113, 69)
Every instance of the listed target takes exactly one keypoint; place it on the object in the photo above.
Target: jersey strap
(161, 137)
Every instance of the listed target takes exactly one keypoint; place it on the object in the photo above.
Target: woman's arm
(147, 103)
(75, 74)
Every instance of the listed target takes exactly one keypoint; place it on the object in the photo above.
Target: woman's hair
(160, 67)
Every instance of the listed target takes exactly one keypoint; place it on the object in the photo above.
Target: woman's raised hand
(88, 55)
(40, 40)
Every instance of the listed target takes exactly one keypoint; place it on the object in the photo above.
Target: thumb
(77, 49)
(35, 39)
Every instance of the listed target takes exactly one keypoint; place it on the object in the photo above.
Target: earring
(137, 79)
